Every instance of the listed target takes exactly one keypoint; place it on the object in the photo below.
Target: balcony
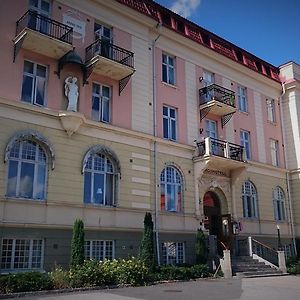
(217, 100)
(221, 154)
(43, 35)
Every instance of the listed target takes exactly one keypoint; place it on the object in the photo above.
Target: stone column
(281, 261)
(226, 264)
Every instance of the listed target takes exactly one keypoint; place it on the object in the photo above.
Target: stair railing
(263, 251)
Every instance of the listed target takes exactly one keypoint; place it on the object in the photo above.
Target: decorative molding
(103, 150)
(31, 135)
(71, 121)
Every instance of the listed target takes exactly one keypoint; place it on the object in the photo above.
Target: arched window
(249, 196)
(101, 173)
(171, 189)
(27, 170)
(278, 203)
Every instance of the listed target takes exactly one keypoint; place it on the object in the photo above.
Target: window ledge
(174, 213)
(244, 112)
(95, 205)
(20, 199)
(272, 123)
(169, 85)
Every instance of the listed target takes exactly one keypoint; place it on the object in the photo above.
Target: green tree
(77, 246)
(201, 249)
(147, 244)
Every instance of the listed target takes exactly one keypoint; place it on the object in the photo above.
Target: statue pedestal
(71, 121)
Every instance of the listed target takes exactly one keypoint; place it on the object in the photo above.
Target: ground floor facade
(109, 177)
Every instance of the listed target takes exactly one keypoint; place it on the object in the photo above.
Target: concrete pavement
(275, 288)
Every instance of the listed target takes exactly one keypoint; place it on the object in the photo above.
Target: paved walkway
(273, 288)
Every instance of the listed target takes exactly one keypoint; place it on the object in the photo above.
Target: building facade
(110, 109)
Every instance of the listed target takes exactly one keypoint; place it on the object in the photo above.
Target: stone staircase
(246, 266)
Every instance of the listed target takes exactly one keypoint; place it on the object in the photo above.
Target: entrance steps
(246, 266)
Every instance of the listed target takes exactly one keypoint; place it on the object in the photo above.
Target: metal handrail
(218, 93)
(110, 51)
(45, 26)
(265, 251)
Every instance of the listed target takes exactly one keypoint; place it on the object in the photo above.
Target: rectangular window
(168, 69)
(274, 152)
(245, 142)
(99, 250)
(21, 254)
(34, 83)
(271, 110)
(242, 98)
(169, 123)
(101, 103)
(173, 253)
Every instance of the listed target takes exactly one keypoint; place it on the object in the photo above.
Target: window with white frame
(99, 250)
(171, 189)
(271, 110)
(249, 197)
(169, 123)
(168, 69)
(34, 83)
(274, 152)
(27, 171)
(173, 253)
(42, 8)
(245, 142)
(279, 204)
(208, 79)
(99, 180)
(101, 103)
(22, 254)
(242, 98)
(105, 35)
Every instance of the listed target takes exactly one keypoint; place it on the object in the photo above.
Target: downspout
(156, 202)
(287, 174)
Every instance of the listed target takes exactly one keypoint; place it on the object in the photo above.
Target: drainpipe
(287, 174)
(156, 202)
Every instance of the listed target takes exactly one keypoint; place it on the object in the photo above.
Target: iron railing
(110, 51)
(212, 146)
(45, 26)
(218, 93)
(265, 252)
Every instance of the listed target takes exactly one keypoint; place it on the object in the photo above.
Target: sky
(269, 29)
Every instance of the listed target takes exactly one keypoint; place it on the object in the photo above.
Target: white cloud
(185, 8)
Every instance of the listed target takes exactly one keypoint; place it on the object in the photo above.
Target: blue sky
(269, 29)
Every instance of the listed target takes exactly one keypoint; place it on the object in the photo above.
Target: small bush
(294, 268)
(60, 278)
(25, 282)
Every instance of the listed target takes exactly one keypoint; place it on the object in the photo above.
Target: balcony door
(211, 131)
(208, 79)
(38, 21)
(104, 34)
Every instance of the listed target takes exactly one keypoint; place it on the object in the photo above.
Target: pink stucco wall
(173, 96)
(11, 75)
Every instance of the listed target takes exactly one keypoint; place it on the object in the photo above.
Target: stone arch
(34, 136)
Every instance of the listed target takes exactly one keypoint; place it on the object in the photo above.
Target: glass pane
(105, 91)
(165, 111)
(40, 90)
(87, 187)
(105, 110)
(41, 71)
(166, 128)
(45, 6)
(173, 124)
(172, 113)
(96, 88)
(40, 188)
(27, 89)
(29, 150)
(164, 58)
(95, 108)
(28, 67)
(171, 61)
(171, 205)
(164, 73)
(12, 178)
(26, 180)
(98, 188)
(162, 197)
(106, 32)
(33, 3)
(109, 189)
(171, 76)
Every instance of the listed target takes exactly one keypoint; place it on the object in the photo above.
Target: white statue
(71, 92)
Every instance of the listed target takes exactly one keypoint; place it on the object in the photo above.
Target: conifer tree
(201, 248)
(77, 246)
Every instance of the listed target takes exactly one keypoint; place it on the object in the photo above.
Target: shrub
(147, 245)
(87, 275)
(201, 248)
(77, 246)
(60, 278)
(25, 282)
(293, 266)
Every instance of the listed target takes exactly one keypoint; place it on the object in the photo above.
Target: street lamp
(278, 237)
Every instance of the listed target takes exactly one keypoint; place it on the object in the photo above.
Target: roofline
(202, 36)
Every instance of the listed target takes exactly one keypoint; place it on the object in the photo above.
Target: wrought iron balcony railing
(45, 25)
(212, 146)
(218, 93)
(110, 51)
